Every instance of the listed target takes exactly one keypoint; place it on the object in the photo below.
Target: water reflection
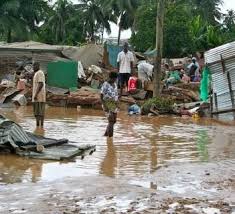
(109, 163)
(39, 131)
(17, 170)
(140, 145)
(202, 141)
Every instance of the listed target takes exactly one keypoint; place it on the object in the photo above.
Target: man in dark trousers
(125, 62)
(39, 94)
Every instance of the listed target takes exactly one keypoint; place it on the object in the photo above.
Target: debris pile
(84, 97)
(78, 73)
(180, 95)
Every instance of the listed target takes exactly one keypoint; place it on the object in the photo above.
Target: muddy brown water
(140, 146)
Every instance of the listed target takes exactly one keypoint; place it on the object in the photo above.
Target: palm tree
(95, 17)
(33, 12)
(229, 19)
(125, 10)
(209, 10)
(9, 19)
(18, 18)
(61, 13)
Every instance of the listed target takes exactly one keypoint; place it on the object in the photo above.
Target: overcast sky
(228, 4)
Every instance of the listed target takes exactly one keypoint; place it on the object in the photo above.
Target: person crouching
(109, 99)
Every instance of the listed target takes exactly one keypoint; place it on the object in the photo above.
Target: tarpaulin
(62, 74)
(113, 51)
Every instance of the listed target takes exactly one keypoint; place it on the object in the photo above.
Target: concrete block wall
(8, 61)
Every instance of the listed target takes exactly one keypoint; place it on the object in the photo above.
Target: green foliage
(189, 26)
(145, 20)
(162, 104)
(229, 26)
(177, 37)
(95, 17)
(125, 10)
(8, 19)
(209, 10)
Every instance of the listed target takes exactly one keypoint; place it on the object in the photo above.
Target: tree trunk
(132, 32)
(159, 46)
(119, 34)
(9, 38)
(92, 34)
(133, 28)
(102, 37)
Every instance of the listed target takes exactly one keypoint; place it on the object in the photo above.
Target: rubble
(195, 109)
(90, 77)
(20, 100)
(57, 91)
(84, 97)
(7, 94)
(90, 54)
(139, 94)
(181, 95)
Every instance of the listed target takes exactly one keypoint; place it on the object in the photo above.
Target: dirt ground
(182, 188)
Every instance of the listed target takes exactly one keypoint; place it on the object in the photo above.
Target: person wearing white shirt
(125, 62)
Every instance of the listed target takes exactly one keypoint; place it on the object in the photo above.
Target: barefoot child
(109, 99)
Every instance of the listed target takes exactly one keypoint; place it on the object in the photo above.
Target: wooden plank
(222, 63)
(211, 105)
(216, 101)
(230, 89)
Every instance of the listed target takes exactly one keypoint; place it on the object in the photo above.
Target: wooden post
(216, 101)
(231, 92)
(211, 105)
(230, 89)
(159, 46)
(222, 63)
(216, 105)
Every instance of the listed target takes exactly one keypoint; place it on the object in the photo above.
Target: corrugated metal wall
(219, 74)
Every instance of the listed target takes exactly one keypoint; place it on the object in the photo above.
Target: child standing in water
(109, 99)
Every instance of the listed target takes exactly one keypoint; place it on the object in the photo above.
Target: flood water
(140, 146)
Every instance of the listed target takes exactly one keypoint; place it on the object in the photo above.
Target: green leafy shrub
(163, 105)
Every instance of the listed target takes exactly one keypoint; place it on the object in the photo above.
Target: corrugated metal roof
(31, 46)
(226, 50)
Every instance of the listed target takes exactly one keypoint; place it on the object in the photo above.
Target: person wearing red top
(132, 84)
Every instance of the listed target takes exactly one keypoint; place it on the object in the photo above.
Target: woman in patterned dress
(109, 99)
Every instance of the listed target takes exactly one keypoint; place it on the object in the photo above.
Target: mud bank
(181, 188)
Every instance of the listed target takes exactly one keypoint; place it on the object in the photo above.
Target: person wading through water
(125, 63)
(109, 99)
(39, 94)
